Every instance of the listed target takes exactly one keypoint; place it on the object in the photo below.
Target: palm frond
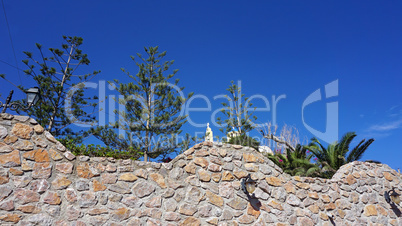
(358, 151)
(329, 159)
(345, 142)
(313, 171)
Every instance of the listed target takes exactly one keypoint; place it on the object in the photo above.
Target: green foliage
(295, 163)
(337, 154)
(112, 141)
(245, 140)
(327, 160)
(153, 104)
(60, 83)
(236, 112)
(96, 150)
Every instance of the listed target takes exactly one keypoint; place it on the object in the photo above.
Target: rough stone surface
(238, 203)
(23, 145)
(61, 182)
(87, 199)
(143, 189)
(11, 159)
(10, 139)
(66, 167)
(201, 162)
(52, 198)
(42, 170)
(159, 179)
(274, 181)
(214, 199)
(120, 187)
(98, 186)
(204, 175)
(56, 156)
(227, 176)
(7, 205)
(38, 155)
(14, 218)
(43, 183)
(3, 132)
(40, 186)
(187, 209)
(4, 148)
(22, 131)
(26, 196)
(370, 210)
(38, 129)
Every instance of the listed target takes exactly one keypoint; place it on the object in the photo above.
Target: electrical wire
(2, 61)
(11, 40)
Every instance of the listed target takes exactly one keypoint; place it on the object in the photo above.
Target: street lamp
(248, 185)
(392, 196)
(33, 95)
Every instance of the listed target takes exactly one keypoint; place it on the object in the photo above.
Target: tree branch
(276, 139)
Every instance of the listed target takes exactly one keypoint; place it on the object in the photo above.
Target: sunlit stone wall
(42, 183)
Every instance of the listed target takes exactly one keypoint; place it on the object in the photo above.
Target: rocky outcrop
(42, 183)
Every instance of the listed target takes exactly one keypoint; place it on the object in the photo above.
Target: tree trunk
(52, 118)
(145, 156)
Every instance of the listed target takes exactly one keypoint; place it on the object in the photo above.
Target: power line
(2, 61)
(11, 40)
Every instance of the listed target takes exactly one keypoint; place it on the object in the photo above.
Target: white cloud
(394, 111)
(393, 107)
(386, 126)
(393, 121)
(376, 135)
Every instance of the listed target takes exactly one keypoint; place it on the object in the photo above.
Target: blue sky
(276, 48)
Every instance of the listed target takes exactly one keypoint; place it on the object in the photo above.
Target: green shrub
(96, 150)
(295, 163)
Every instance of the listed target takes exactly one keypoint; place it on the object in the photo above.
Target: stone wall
(42, 183)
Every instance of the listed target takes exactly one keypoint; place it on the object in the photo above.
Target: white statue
(209, 135)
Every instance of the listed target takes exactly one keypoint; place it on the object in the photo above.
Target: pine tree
(153, 108)
(236, 112)
(58, 80)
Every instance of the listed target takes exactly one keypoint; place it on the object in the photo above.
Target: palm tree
(295, 162)
(337, 154)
